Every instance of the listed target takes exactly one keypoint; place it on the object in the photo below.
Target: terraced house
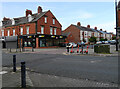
(41, 29)
(78, 33)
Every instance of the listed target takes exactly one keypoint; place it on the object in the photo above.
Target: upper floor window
(54, 31)
(42, 29)
(50, 30)
(27, 29)
(53, 21)
(13, 32)
(45, 19)
(21, 30)
(8, 32)
(3, 33)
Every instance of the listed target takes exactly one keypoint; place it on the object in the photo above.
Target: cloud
(108, 26)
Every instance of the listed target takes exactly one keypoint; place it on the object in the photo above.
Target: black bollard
(23, 75)
(82, 48)
(10, 49)
(14, 63)
(68, 49)
(32, 49)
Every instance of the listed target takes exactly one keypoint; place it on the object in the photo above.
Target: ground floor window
(29, 42)
(42, 42)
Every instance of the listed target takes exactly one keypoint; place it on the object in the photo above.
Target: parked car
(112, 41)
(80, 44)
(106, 42)
(71, 44)
(99, 42)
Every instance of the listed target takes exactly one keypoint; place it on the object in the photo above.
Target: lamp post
(116, 25)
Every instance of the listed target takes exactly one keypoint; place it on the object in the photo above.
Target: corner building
(41, 29)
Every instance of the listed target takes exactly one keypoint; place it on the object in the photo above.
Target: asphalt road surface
(95, 68)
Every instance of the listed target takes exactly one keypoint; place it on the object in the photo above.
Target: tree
(92, 39)
(102, 39)
(114, 37)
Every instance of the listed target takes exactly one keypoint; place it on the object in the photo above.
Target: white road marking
(3, 72)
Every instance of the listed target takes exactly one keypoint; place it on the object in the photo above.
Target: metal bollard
(23, 75)
(14, 63)
(10, 49)
(68, 49)
(82, 48)
(32, 49)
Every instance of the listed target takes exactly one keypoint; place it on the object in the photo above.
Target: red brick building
(78, 33)
(41, 29)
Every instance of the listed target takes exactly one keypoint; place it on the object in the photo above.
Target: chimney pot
(28, 12)
(88, 26)
(100, 29)
(95, 28)
(39, 9)
(78, 24)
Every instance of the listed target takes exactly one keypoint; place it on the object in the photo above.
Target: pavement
(34, 79)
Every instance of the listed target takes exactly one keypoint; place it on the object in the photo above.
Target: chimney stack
(28, 12)
(100, 29)
(95, 28)
(39, 9)
(88, 26)
(4, 19)
(78, 24)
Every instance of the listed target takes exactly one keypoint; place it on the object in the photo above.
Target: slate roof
(83, 28)
(66, 34)
(23, 20)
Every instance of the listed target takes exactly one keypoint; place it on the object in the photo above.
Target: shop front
(42, 40)
(50, 40)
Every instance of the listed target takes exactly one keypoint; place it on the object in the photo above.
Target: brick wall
(17, 29)
(49, 23)
(75, 32)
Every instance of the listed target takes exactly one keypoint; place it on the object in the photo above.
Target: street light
(116, 24)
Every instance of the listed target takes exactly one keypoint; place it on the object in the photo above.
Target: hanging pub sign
(41, 36)
(61, 36)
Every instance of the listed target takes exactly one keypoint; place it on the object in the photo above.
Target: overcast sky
(99, 14)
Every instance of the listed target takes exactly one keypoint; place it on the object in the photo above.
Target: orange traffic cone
(71, 49)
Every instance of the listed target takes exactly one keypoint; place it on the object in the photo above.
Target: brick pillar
(37, 42)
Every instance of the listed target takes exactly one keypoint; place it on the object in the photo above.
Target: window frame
(42, 30)
(8, 32)
(51, 31)
(45, 19)
(21, 31)
(27, 30)
(13, 32)
(55, 31)
(53, 20)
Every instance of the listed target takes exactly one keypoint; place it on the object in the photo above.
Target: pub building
(41, 29)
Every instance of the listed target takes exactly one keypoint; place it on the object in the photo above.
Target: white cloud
(109, 26)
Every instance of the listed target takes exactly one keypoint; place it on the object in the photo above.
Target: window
(54, 31)
(45, 19)
(42, 29)
(53, 21)
(13, 32)
(2, 33)
(21, 30)
(27, 29)
(50, 30)
(8, 33)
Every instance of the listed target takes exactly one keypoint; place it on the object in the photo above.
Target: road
(95, 68)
